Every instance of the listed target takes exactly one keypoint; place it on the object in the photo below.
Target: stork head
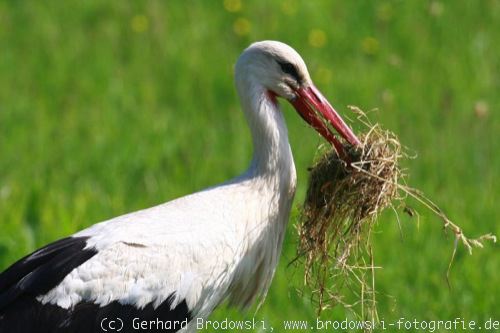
(281, 70)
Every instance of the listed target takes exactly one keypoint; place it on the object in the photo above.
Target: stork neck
(272, 156)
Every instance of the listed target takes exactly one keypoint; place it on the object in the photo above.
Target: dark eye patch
(290, 69)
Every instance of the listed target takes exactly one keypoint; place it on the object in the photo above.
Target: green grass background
(107, 107)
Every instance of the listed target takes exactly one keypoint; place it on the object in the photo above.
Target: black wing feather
(42, 270)
(29, 315)
(27, 264)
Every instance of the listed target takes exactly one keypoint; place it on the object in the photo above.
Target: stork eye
(290, 69)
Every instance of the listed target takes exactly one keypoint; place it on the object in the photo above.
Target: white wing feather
(197, 247)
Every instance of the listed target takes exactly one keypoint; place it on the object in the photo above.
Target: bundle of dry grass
(341, 206)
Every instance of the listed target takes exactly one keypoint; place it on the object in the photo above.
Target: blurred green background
(112, 106)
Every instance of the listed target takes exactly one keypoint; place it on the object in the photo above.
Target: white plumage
(221, 243)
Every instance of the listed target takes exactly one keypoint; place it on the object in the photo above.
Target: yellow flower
(436, 8)
(387, 97)
(323, 75)
(481, 109)
(289, 7)
(139, 23)
(370, 45)
(242, 26)
(232, 6)
(385, 12)
(317, 38)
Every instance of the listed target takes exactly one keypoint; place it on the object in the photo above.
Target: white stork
(178, 261)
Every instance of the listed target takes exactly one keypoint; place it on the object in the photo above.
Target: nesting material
(342, 204)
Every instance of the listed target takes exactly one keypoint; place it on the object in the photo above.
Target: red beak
(317, 112)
